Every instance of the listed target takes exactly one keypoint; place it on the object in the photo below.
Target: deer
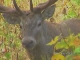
(35, 30)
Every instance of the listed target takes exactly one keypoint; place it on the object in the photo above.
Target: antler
(38, 8)
(4, 9)
(41, 6)
(31, 5)
(16, 6)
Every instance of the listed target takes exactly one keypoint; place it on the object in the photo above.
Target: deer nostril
(31, 42)
(28, 43)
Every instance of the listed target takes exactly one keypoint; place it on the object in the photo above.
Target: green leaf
(77, 50)
(76, 2)
(69, 57)
(71, 13)
(8, 55)
(61, 45)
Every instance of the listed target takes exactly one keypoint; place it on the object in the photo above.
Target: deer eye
(20, 26)
(27, 14)
(39, 24)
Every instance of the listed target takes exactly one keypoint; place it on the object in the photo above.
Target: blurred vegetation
(10, 39)
(69, 48)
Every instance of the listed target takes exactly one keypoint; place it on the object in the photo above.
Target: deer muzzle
(29, 42)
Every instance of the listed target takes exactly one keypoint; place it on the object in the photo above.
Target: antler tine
(42, 6)
(31, 5)
(16, 6)
(4, 9)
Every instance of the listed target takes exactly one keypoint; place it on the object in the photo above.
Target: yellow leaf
(53, 41)
(76, 42)
(76, 57)
(58, 57)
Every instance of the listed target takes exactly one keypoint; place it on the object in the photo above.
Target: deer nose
(29, 43)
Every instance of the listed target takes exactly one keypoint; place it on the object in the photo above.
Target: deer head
(31, 21)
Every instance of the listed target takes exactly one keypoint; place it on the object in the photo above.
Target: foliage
(53, 41)
(77, 2)
(73, 6)
(77, 51)
(58, 56)
(66, 10)
(70, 47)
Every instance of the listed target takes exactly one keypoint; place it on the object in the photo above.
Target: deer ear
(48, 12)
(12, 18)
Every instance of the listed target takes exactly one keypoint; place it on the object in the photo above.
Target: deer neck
(51, 30)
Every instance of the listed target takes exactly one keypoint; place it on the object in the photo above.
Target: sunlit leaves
(53, 41)
(65, 43)
(61, 45)
(76, 2)
(76, 42)
(10, 44)
(8, 55)
(77, 50)
(70, 47)
(77, 57)
(70, 14)
(68, 9)
(58, 57)
(69, 57)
